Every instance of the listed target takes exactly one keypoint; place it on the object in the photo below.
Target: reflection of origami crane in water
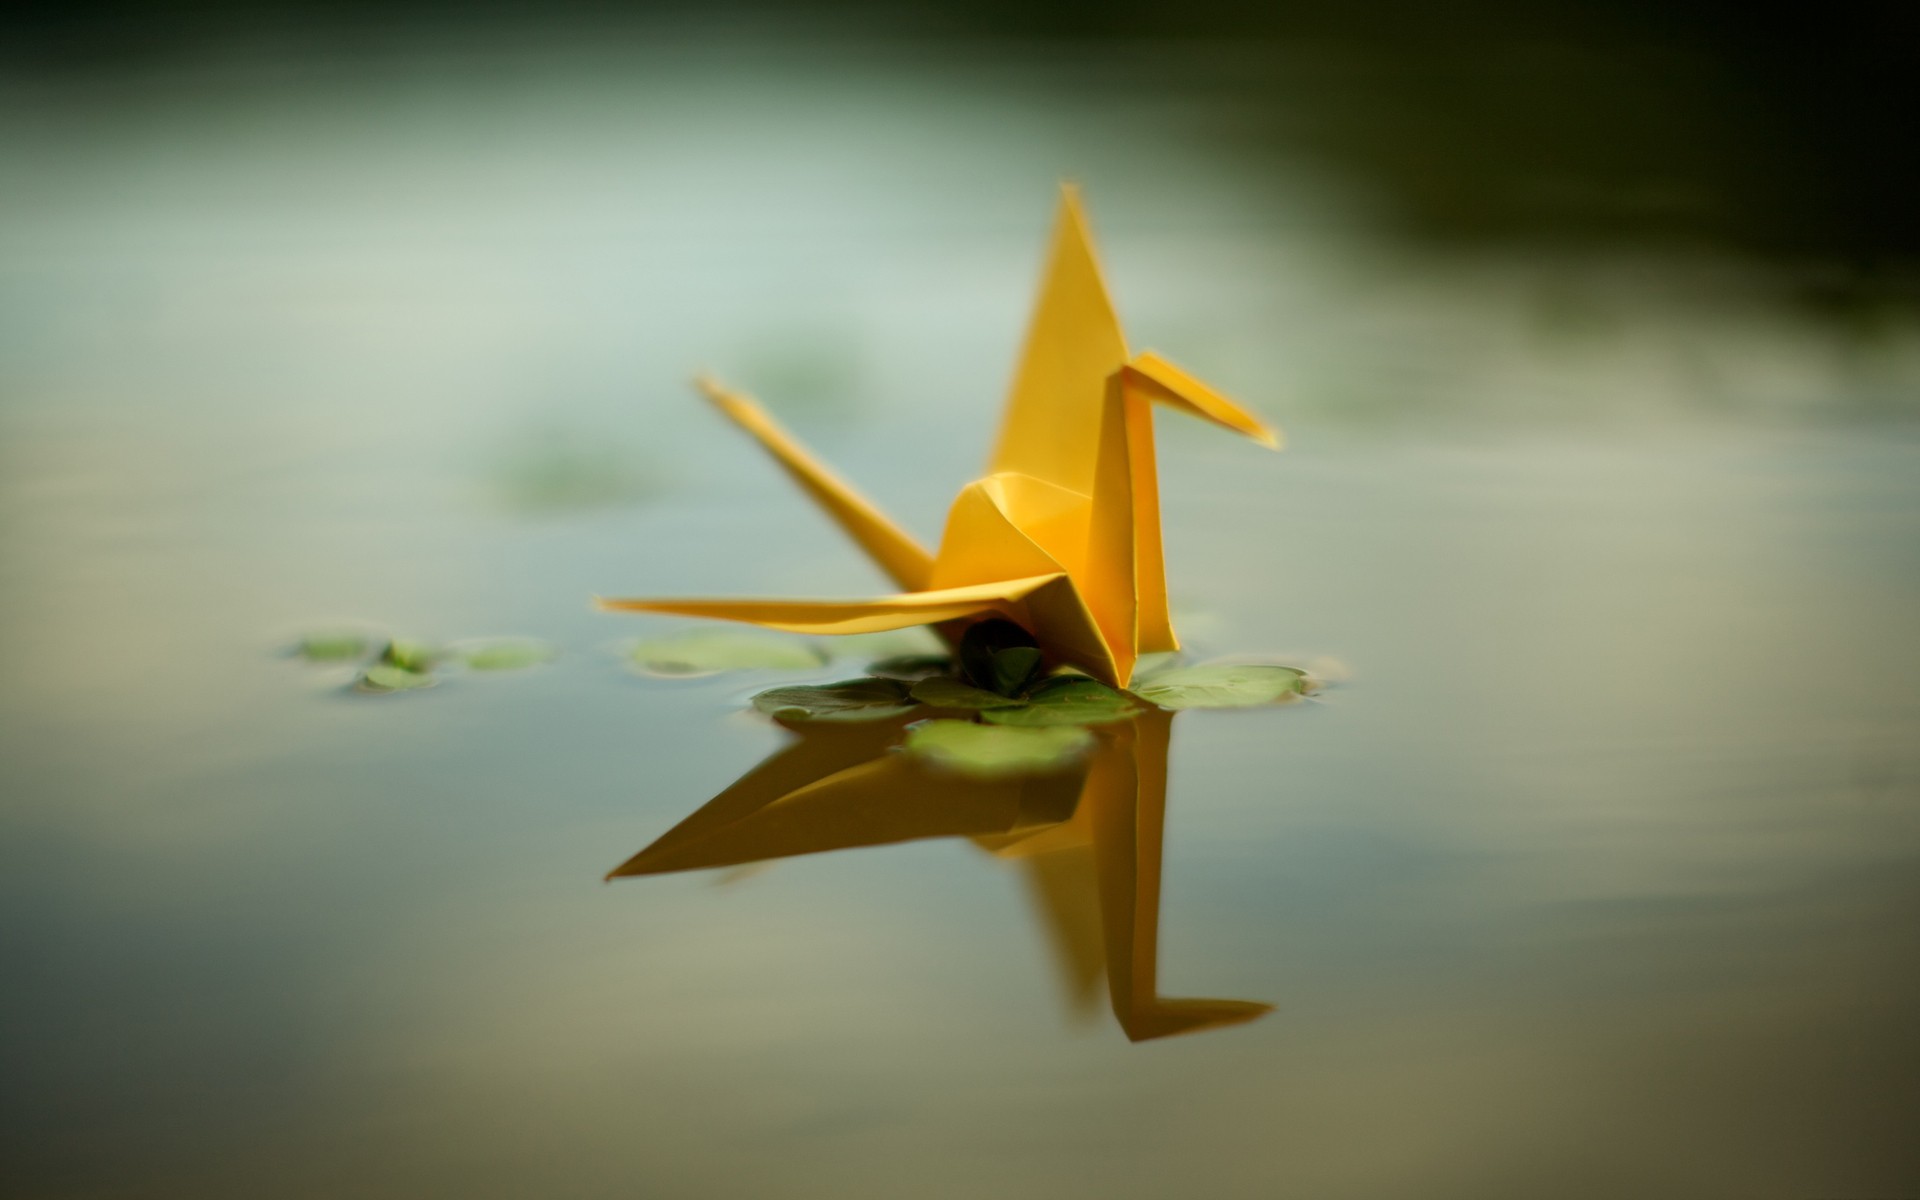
(1089, 840)
(1063, 537)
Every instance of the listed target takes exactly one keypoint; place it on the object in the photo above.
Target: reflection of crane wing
(1088, 840)
(1056, 862)
(825, 749)
(835, 790)
(1063, 885)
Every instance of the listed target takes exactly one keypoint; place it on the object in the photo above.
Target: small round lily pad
(705, 652)
(1066, 700)
(997, 751)
(1222, 686)
(382, 678)
(866, 699)
(944, 691)
(504, 653)
(334, 645)
(409, 655)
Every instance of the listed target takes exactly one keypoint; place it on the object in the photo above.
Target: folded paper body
(1062, 535)
(1088, 840)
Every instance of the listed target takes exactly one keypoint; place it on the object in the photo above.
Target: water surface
(1597, 877)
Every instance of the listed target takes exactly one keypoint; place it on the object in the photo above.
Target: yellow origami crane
(1062, 536)
(1089, 840)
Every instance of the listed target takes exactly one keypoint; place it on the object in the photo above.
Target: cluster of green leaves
(991, 710)
(1017, 720)
(398, 664)
(1057, 700)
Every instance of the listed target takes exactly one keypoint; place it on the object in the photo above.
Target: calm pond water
(1597, 877)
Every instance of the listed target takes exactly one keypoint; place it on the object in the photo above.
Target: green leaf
(1222, 686)
(996, 751)
(409, 655)
(1158, 661)
(504, 654)
(381, 678)
(944, 691)
(1057, 715)
(1013, 668)
(1066, 700)
(912, 666)
(705, 651)
(849, 700)
(338, 645)
(1076, 689)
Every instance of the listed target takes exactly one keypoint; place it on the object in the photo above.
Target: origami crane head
(1062, 536)
(1089, 839)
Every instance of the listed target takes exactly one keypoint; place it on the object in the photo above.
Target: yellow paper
(1063, 534)
(1089, 841)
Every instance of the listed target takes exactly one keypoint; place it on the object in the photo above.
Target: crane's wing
(896, 552)
(853, 616)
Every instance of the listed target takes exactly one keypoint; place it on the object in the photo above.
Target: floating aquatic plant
(402, 664)
(707, 651)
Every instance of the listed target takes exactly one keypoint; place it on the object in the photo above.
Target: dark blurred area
(1783, 131)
